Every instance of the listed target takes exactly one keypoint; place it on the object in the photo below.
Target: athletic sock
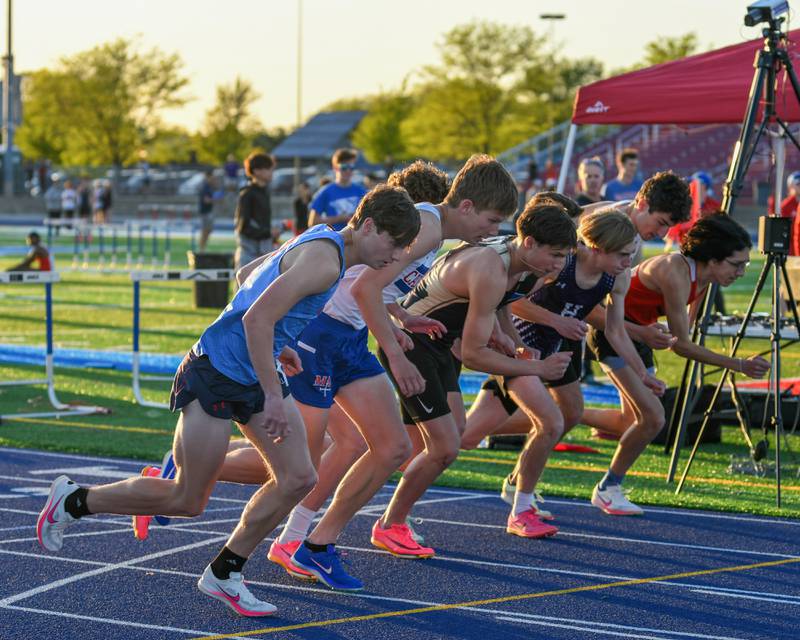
(609, 480)
(226, 562)
(315, 548)
(522, 502)
(75, 503)
(297, 525)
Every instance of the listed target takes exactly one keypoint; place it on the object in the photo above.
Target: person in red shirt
(38, 258)
(702, 205)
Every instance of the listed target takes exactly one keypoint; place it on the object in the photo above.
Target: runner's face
(730, 269)
(542, 259)
(616, 262)
(484, 224)
(653, 224)
(380, 249)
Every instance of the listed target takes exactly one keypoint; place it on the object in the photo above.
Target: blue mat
(167, 364)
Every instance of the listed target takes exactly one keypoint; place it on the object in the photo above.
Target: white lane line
(88, 574)
(25, 479)
(714, 592)
(124, 623)
(573, 627)
(48, 454)
(679, 545)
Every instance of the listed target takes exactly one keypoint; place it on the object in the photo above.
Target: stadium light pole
(8, 104)
(551, 19)
(299, 80)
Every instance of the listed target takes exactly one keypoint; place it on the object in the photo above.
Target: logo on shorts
(427, 409)
(322, 384)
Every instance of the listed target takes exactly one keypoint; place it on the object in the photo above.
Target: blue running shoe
(327, 566)
(168, 473)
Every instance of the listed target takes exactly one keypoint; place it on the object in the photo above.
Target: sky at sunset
(351, 47)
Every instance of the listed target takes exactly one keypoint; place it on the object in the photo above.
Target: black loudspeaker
(774, 234)
(713, 432)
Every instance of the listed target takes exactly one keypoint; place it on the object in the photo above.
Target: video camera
(765, 11)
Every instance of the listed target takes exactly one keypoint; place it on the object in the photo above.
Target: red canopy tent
(709, 87)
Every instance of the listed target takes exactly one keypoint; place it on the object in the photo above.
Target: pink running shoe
(528, 525)
(141, 524)
(399, 541)
(281, 553)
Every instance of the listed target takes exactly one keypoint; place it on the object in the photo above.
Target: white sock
(522, 502)
(297, 525)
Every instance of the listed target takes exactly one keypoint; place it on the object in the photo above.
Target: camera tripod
(774, 244)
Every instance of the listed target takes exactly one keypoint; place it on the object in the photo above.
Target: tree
(171, 145)
(107, 102)
(667, 49)
(379, 134)
(230, 125)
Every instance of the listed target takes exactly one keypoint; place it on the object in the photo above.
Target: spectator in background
(38, 258)
(702, 205)
(550, 175)
(231, 170)
(253, 218)
(591, 174)
(52, 201)
(790, 202)
(301, 208)
(69, 200)
(626, 185)
(84, 200)
(205, 208)
(106, 200)
(335, 203)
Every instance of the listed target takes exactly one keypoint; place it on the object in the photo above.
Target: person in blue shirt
(627, 183)
(335, 203)
(235, 371)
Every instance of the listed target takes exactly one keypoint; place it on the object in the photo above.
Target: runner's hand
(755, 367)
(657, 336)
(571, 328)
(408, 378)
(554, 366)
(658, 387)
(290, 361)
(403, 339)
(422, 324)
(273, 419)
(502, 343)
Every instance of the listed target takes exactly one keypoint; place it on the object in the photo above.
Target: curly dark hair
(393, 212)
(715, 237)
(424, 182)
(666, 192)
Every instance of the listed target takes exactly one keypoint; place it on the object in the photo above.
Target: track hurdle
(47, 278)
(150, 275)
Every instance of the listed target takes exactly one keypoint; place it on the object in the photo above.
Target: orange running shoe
(528, 525)
(281, 553)
(399, 541)
(141, 524)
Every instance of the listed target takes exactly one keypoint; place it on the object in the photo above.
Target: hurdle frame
(47, 278)
(161, 275)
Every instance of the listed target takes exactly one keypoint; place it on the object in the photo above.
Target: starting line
(152, 275)
(47, 278)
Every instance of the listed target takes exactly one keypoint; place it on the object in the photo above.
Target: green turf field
(93, 311)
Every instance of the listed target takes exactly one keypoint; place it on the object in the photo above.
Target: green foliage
(666, 49)
(230, 125)
(379, 134)
(171, 145)
(99, 106)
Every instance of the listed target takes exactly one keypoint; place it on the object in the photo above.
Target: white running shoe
(54, 519)
(507, 494)
(234, 593)
(613, 501)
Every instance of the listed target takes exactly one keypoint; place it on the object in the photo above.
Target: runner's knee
(297, 483)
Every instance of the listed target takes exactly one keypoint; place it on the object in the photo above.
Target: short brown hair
(424, 182)
(572, 208)
(258, 160)
(629, 153)
(547, 224)
(608, 231)
(667, 193)
(485, 182)
(340, 156)
(393, 212)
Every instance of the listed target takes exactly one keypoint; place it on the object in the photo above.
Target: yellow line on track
(46, 422)
(640, 474)
(488, 601)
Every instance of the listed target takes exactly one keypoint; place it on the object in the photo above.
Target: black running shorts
(219, 396)
(439, 369)
(610, 359)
